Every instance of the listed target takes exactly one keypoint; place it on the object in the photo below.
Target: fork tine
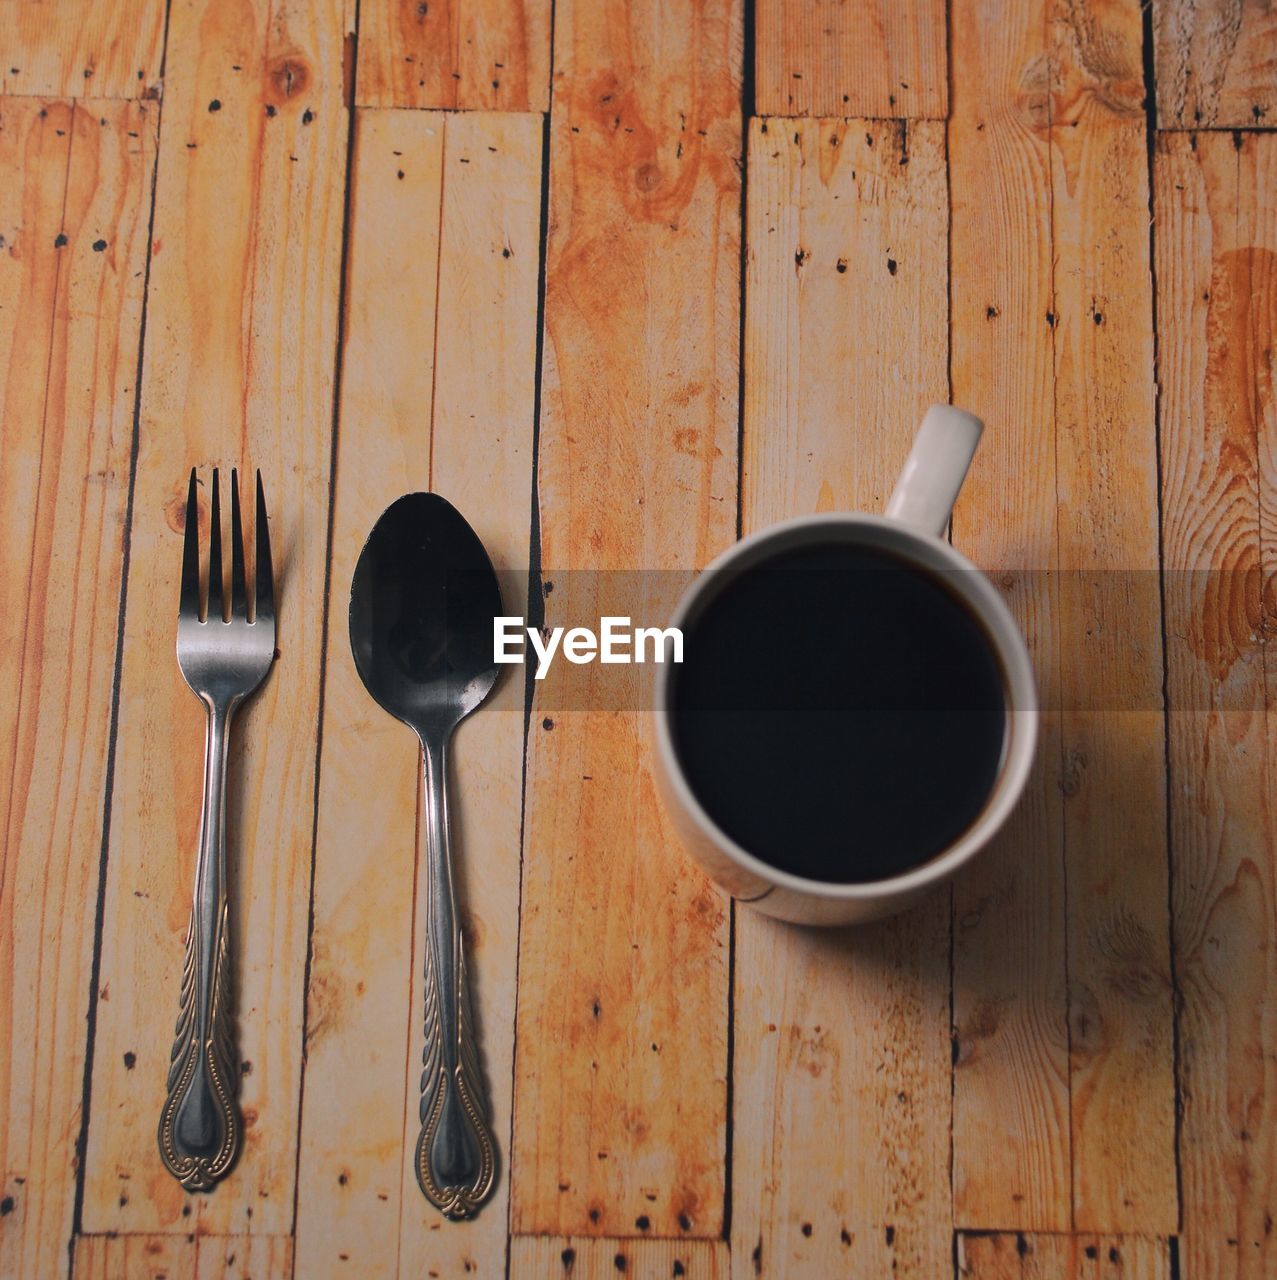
(216, 580)
(189, 601)
(239, 595)
(263, 574)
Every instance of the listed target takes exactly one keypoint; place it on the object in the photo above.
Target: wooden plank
(841, 1037)
(1097, 637)
(472, 55)
(1011, 1143)
(75, 205)
(359, 1023)
(137, 1257)
(1216, 250)
(61, 49)
(188, 1257)
(244, 1258)
(1113, 771)
(481, 459)
(623, 943)
(239, 367)
(874, 58)
(1216, 64)
(1063, 1257)
(358, 1199)
(571, 1258)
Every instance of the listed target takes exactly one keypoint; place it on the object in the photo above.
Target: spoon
(422, 604)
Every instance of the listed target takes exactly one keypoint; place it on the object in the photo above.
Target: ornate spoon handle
(200, 1125)
(455, 1154)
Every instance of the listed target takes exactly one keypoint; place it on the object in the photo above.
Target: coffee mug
(930, 732)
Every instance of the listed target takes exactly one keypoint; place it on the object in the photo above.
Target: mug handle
(935, 469)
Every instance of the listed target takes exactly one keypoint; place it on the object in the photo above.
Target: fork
(223, 658)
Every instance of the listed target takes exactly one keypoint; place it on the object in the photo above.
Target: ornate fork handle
(200, 1127)
(455, 1153)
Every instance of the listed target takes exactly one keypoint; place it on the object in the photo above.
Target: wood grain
(188, 1257)
(359, 1023)
(481, 459)
(138, 1257)
(1011, 1141)
(872, 58)
(1062, 1257)
(1216, 63)
(1216, 269)
(1092, 466)
(841, 1037)
(239, 367)
(1062, 1120)
(465, 191)
(570, 1258)
(74, 213)
(64, 49)
(1113, 771)
(620, 1073)
(464, 54)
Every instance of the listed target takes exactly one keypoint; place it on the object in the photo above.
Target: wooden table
(625, 281)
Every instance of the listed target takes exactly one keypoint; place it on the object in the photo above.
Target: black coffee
(839, 713)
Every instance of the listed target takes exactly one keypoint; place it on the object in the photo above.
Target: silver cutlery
(422, 605)
(224, 655)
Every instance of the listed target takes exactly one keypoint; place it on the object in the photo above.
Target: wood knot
(1033, 93)
(1072, 773)
(647, 177)
(287, 77)
(175, 513)
(1086, 1023)
(981, 1025)
(1135, 966)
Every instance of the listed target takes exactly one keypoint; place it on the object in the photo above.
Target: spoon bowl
(422, 603)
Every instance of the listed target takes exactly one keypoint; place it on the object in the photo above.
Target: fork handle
(455, 1153)
(200, 1126)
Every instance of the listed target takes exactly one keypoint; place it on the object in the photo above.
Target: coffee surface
(839, 713)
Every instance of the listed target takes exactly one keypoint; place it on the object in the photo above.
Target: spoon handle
(455, 1153)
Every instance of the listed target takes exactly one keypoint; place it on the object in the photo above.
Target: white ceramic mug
(912, 530)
